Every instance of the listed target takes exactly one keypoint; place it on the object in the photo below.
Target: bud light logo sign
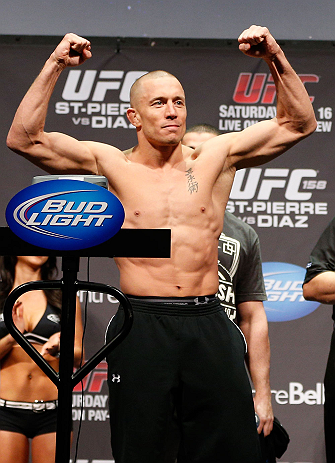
(283, 285)
(65, 214)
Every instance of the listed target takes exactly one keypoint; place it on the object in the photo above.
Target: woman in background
(28, 398)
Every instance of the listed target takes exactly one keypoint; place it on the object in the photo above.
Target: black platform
(126, 243)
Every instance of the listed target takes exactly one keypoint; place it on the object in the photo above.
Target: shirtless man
(163, 184)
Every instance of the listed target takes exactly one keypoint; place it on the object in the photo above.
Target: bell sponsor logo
(296, 395)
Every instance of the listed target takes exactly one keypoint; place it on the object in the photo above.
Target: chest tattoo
(191, 181)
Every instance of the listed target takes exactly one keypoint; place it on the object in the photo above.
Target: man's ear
(133, 117)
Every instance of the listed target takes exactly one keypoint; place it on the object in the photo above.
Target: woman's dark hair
(7, 274)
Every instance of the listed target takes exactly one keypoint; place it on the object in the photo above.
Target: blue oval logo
(283, 285)
(65, 214)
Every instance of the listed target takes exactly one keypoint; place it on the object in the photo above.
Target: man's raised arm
(51, 151)
(295, 117)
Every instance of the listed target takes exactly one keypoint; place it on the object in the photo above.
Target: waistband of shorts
(186, 306)
(37, 406)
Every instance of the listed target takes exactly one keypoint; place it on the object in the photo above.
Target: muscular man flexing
(163, 184)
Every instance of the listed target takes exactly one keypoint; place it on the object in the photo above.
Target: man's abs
(159, 277)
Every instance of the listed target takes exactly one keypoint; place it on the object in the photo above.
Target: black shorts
(180, 364)
(28, 422)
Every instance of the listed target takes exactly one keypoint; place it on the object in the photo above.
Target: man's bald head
(136, 88)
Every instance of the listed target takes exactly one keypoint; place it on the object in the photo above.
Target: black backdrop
(288, 201)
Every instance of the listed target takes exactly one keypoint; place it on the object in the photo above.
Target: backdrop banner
(288, 201)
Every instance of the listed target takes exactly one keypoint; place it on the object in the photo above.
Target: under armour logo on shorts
(116, 378)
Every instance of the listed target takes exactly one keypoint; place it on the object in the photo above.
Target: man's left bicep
(260, 143)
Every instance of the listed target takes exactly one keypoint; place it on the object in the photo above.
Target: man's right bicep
(58, 152)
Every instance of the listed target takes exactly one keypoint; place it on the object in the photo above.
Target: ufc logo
(258, 87)
(89, 85)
